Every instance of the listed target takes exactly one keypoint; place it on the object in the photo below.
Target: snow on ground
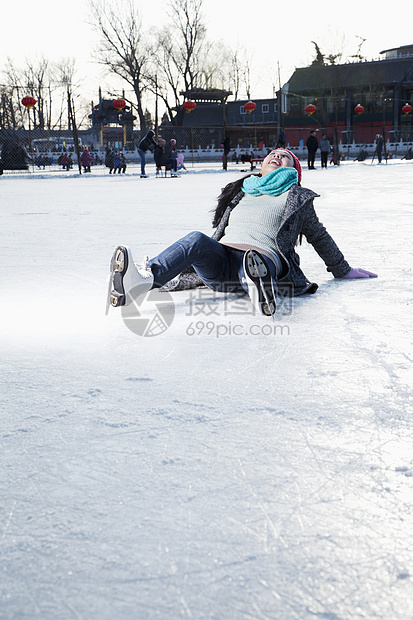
(229, 467)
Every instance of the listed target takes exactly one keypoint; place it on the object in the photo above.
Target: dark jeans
(311, 159)
(324, 157)
(167, 161)
(220, 267)
(142, 155)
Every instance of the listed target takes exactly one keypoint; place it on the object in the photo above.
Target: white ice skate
(125, 277)
(261, 287)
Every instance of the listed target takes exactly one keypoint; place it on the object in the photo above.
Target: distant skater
(147, 143)
(312, 146)
(325, 149)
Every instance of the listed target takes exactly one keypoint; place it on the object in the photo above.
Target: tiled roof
(384, 72)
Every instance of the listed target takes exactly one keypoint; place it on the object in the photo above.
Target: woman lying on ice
(258, 221)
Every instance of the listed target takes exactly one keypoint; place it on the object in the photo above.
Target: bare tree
(215, 66)
(64, 80)
(239, 71)
(235, 74)
(180, 46)
(165, 80)
(340, 48)
(36, 77)
(123, 47)
(14, 92)
(187, 36)
(8, 108)
(319, 57)
(358, 54)
(48, 83)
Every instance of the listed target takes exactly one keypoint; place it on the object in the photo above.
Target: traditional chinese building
(354, 101)
(359, 98)
(113, 120)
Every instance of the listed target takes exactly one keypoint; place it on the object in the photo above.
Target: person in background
(180, 162)
(325, 148)
(281, 139)
(379, 146)
(226, 144)
(173, 152)
(161, 159)
(312, 146)
(114, 161)
(85, 159)
(120, 163)
(170, 150)
(147, 143)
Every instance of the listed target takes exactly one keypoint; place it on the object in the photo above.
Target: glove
(360, 273)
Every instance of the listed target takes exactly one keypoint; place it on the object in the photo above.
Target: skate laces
(143, 268)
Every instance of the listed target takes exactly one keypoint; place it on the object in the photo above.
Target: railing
(205, 145)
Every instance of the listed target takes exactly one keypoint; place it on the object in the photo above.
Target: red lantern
(119, 104)
(359, 109)
(189, 106)
(250, 106)
(407, 108)
(310, 109)
(29, 102)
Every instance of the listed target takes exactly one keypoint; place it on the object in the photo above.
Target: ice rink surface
(230, 467)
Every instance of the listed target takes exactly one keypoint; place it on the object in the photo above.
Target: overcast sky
(272, 32)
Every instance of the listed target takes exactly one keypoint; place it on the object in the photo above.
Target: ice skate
(260, 284)
(126, 277)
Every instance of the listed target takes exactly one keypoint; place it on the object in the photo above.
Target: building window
(242, 110)
(275, 108)
(265, 108)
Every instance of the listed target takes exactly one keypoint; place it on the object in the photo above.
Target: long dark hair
(227, 194)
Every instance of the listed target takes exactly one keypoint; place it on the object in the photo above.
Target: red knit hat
(297, 164)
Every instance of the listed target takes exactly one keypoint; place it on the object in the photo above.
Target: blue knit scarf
(273, 183)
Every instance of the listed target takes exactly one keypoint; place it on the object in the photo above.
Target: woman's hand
(360, 273)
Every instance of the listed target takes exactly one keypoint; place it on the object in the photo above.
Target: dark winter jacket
(159, 156)
(109, 158)
(312, 143)
(161, 159)
(299, 218)
(148, 142)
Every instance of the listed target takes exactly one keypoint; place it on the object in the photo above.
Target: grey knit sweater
(299, 218)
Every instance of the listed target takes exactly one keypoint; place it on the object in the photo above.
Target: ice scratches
(326, 615)
(8, 522)
(34, 213)
(119, 424)
(277, 357)
(186, 608)
(91, 393)
(187, 411)
(94, 392)
(407, 471)
(138, 379)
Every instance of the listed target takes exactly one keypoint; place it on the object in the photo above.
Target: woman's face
(279, 158)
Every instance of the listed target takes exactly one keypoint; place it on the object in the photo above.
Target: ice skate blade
(260, 283)
(118, 266)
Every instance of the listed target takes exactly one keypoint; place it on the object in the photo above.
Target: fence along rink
(41, 150)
